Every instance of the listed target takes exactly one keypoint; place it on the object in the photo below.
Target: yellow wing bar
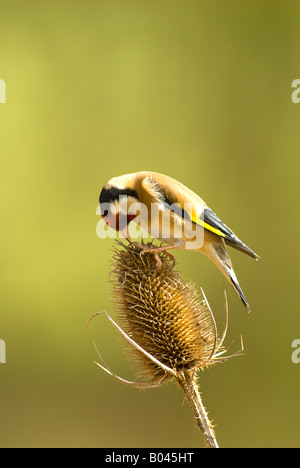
(207, 226)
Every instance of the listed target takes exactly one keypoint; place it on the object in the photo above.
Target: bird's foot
(155, 251)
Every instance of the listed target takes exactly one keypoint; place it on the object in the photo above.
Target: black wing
(209, 217)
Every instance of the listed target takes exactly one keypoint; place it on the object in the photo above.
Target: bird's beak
(119, 222)
(116, 222)
(125, 233)
(123, 223)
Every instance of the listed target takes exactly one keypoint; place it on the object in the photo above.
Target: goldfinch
(172, 213)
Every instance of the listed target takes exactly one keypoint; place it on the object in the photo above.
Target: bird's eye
(104, 213)
(105, 209)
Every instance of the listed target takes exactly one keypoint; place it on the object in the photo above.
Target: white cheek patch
(114, 208)
(128, 205)
(122, 205)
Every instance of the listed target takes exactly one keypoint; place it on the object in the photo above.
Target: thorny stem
(187, 382)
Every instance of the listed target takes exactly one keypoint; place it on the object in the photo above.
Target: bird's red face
(118, 221)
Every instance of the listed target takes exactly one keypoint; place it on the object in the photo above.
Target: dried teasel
(168, 323)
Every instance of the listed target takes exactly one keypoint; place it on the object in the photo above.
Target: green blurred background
(201, 91)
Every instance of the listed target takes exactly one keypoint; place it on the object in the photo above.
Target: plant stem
(189, 386)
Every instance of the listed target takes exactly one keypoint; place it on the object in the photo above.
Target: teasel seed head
(168, 323)
(164, 314)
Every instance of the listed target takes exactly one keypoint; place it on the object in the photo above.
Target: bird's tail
(218, 253)
(230, 275)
